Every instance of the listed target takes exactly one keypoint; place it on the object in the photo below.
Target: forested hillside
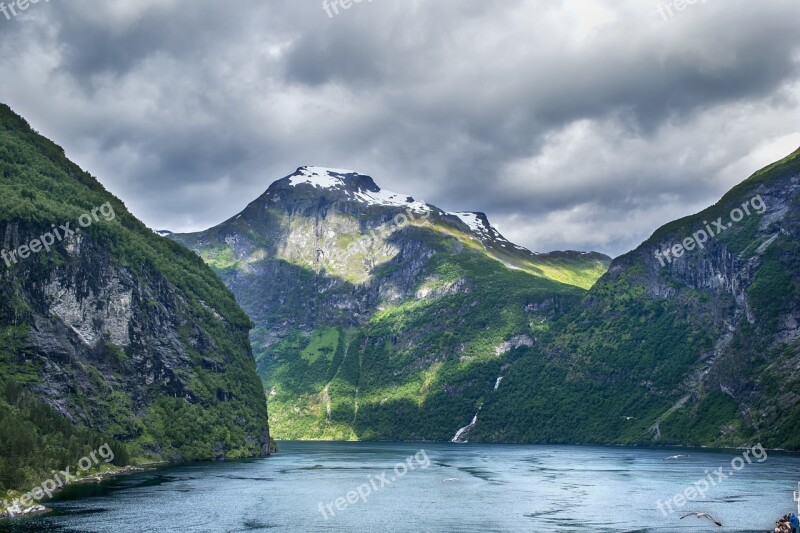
(699, 346)
(109, 333)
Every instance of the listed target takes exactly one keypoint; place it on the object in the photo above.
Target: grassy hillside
(417, 368)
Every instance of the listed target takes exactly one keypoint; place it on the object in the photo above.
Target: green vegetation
(322, 344)
(34, 440)
(366, 329)
(773, 290)
(41, 187)
(405, 338)
(648, 355)
(390, 377)
(102, 387)
(672, 355)
(220, 257)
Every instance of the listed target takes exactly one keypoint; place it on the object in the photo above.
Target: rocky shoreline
(18, 510)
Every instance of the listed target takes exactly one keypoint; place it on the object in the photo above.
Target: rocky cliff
(122, 333)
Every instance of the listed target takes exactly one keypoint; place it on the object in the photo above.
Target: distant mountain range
(379, 316)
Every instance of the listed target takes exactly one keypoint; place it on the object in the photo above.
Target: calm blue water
(480, 488)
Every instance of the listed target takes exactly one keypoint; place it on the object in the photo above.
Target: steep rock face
(377, 315)
(123, 332)
(698, 345)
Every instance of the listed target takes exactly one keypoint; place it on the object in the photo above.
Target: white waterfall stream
(497, 384)
(461, 433)
(466, 429)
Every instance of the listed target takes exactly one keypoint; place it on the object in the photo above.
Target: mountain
(378, 316)
(693, 338)
(109, 332)
(432, 325)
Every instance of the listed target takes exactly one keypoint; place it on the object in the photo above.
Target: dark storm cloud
(581, 125)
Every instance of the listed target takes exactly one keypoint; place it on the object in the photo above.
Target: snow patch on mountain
(319, 177)
(474, 222)
(336, 179)
(392, 199)
(481, 227)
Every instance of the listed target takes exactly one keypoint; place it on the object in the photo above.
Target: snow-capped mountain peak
(354, 185)
(479, 224)
(342, 185)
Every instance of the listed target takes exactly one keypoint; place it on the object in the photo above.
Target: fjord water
(465, 488)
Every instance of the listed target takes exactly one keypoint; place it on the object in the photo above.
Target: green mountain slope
(379, 317)
(114, 334)
(700, 347)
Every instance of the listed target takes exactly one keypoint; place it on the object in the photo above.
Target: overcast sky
(580, 124)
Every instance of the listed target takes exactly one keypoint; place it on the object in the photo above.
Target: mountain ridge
(699, 349)
(311, 184)
(325, 259)
(643, 357)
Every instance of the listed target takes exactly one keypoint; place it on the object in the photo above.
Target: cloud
(574, 126)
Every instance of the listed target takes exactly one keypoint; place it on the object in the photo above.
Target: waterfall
(497, 385)
(466, 429)
(461, 433)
